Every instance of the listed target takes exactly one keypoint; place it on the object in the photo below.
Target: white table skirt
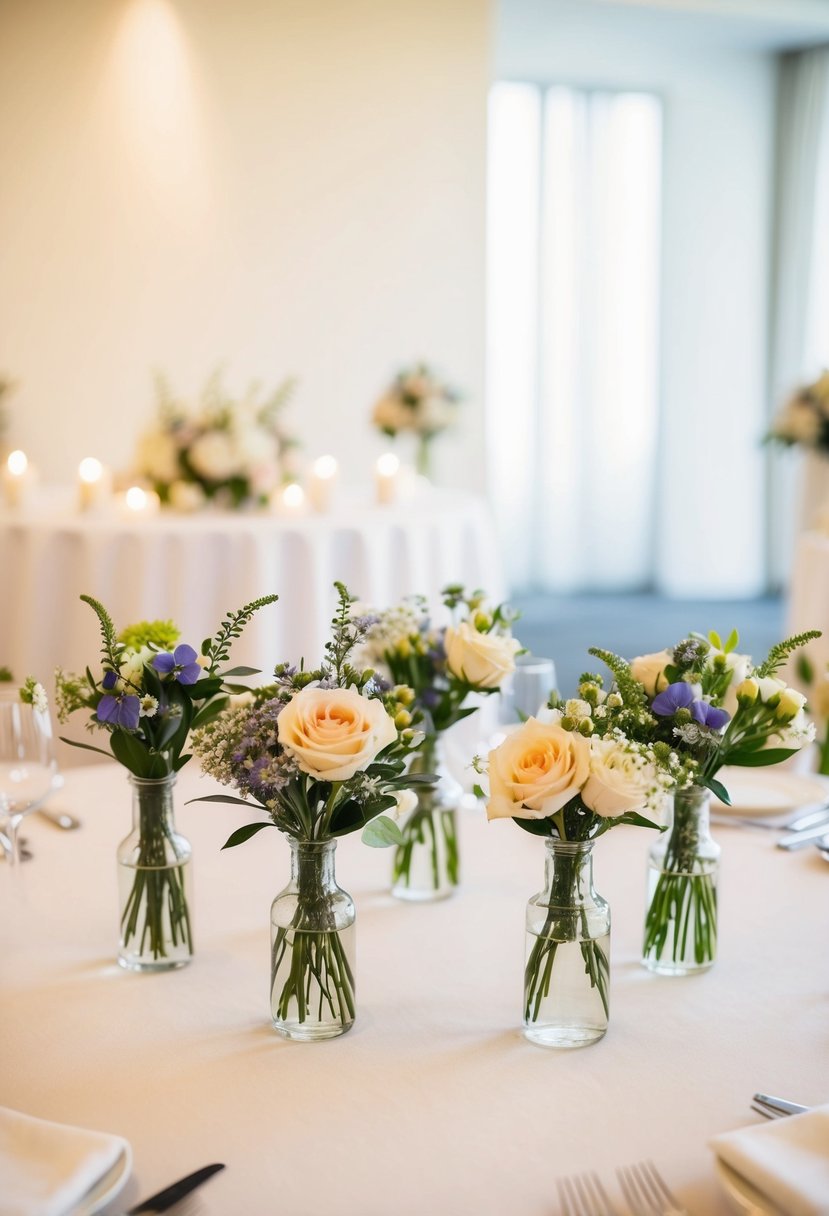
(434, 1102)
(195, 568)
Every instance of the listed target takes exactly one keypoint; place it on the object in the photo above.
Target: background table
(195, 568)
(434, 1102)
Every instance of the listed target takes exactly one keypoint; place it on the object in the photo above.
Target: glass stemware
(532, 682)
(28, 768)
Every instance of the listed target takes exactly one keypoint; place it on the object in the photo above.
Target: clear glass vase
(427, 865)
(154, 882)
(567, 971)
(312, 948)
(683, 868)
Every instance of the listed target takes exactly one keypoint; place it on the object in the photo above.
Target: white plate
(107, 1188)
(769, 791)
(743, 1196)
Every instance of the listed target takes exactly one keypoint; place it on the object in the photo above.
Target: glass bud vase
(567, 972)
(154, 882)
(312, 948)
(427, 864)
(683, 867)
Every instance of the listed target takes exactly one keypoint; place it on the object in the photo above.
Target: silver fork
(584, 1195)
(646, 1192)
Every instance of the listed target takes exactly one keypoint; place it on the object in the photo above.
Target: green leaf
(221, 798)
(245, 833)
(805, 670)
(537, 827)
(478, 791)
(718, 790)
(133, 755)
(733, 639)
(87, 747)
(240, 671)
(715, 640)
(382, 833)
(772, 755)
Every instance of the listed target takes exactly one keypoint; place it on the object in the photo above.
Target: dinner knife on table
(175, 1193)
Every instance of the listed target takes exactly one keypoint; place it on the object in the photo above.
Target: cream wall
(285, 186)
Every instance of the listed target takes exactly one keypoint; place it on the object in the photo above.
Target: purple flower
(709, 715)
(181, 664)
(119, 711)
(110, 679)
(674, 697)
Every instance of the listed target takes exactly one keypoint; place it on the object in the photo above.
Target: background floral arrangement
(417, 402)
(444, 667)
(804, 419)
(232, 452)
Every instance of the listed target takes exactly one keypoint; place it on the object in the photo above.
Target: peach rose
(482, 659)
(334, 732)
(536, 770)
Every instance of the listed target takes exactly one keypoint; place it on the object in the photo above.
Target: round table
(195, 568)
(434, 1102)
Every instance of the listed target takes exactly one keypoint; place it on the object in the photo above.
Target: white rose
(334, 732)
(214, 456)
(649, 670)
(186, 496)
(535, 771)
(795, 734)
(619, 781)
(482, 659)
(406, 803)
(157, 457)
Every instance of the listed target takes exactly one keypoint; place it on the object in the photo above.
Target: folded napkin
(786, 1160)
(47, 1169)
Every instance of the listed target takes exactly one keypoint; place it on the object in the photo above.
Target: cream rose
(482, 659)
(649, 670)
(535, 771)
(619, 781)
(334, 732)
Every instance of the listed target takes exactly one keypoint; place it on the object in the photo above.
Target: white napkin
(786, 1160)
(46, 1169)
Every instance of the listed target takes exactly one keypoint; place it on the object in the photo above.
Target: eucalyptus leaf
(382, 833)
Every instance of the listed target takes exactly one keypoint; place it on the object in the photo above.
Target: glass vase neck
(693, 804)
(152, 798)
(312, 863)
(568, 871)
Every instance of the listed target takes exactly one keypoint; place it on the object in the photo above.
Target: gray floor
(563, 627)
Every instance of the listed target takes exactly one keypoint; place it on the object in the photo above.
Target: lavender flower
(119, 711)
(674, 697)
(181, 664)
(709, 715)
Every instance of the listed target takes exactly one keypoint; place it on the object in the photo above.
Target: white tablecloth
(434, 1103)
(195, 568)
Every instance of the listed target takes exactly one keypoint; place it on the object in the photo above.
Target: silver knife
(165, 1199)
(796, 840)
(781, 1104)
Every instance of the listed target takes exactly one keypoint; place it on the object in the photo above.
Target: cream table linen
(434, 1103)
(194, 568)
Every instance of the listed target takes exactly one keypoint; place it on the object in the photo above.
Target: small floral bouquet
(323, 753)
(151, 693)
(804, 419)
(707, 705)
(230, 452)
(569, 776)
(444, 667)
(419, 402)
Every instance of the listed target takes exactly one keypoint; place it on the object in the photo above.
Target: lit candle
(386, 476)
(322, 483)
(139, 502)
(94, 484)
(290, 500)
(18, 477)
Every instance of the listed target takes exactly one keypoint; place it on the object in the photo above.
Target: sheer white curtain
(800, 323)
(573, 344)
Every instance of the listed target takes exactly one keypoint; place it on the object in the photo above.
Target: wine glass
(28, 768)
(532, 682)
